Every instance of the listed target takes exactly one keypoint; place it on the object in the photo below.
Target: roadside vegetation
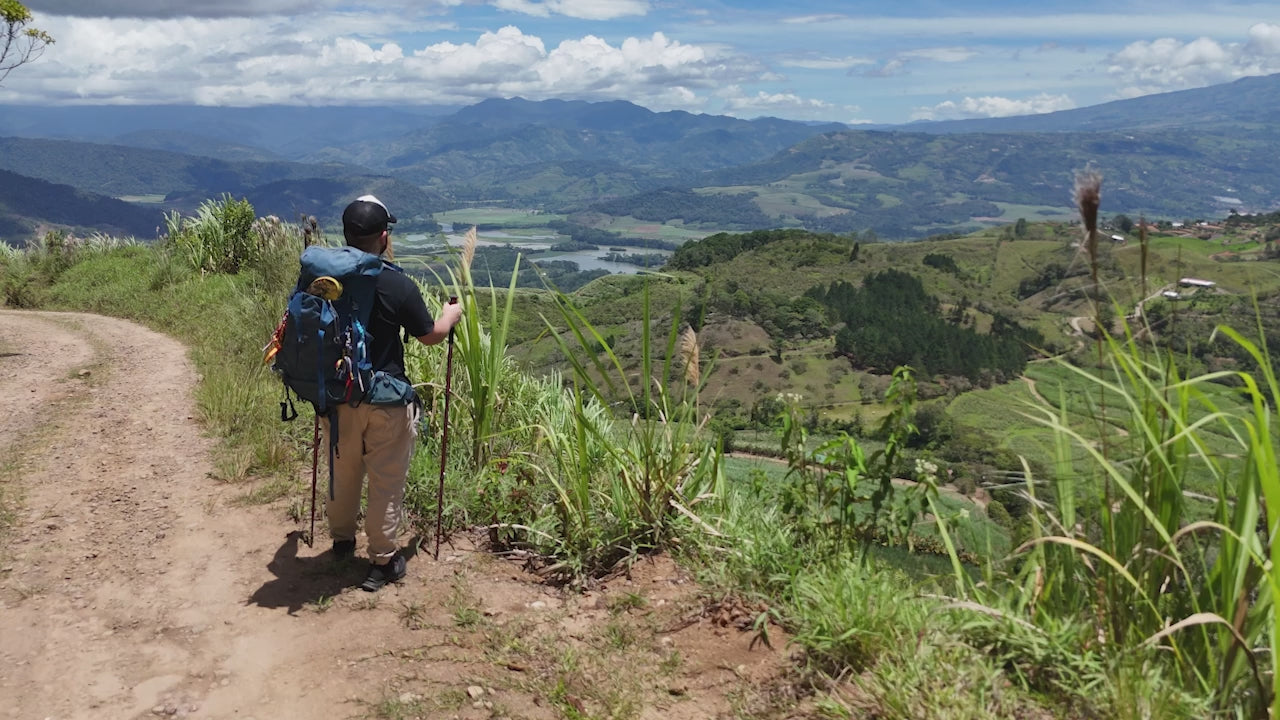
(1084, 583)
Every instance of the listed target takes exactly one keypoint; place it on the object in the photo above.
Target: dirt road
(133, 584)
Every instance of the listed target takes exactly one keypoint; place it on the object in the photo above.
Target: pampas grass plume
(468, 252)
(689, 354)
(1088, 196)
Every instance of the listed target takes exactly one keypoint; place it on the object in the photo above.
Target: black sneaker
(343, 549)
(380, 575)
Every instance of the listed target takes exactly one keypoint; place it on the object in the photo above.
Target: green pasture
(672, 231)
(1016, 415)
(153, 199)
(789, 203)
(504, 216)
(1035, 213)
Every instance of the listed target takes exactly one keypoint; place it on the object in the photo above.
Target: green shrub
(998, 515)
(218, 238)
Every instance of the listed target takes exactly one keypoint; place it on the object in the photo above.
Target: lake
(586, 259)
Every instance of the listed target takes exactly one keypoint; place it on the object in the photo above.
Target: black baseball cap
(365, 216)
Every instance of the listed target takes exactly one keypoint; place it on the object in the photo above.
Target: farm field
(507, 217)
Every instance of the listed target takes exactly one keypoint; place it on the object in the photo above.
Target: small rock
(157, 710)
(479, 704)
(475, 691)
(537, 605)
(407, 697)
(85, 373)
(678, 690)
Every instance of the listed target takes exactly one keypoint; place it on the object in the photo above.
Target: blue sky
(852, 62)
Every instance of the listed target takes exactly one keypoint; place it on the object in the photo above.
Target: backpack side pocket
(389, 390)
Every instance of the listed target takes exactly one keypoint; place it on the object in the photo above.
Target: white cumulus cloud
(813, 19)
(899, 64)
(783, 104)
(341, 58)
(826, 62)
(1169, 64)
(993, 106)
(583, 9)
(940, 54)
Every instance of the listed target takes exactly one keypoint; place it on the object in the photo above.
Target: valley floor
(134, 584)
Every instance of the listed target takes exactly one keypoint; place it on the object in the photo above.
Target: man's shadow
(303, 580)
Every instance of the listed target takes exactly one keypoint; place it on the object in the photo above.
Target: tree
(20, 44)
(1123, 223)
(1020, 228)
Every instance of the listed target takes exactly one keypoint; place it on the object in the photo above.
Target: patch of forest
(890, 320)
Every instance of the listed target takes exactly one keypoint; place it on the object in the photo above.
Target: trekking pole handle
(453, 300)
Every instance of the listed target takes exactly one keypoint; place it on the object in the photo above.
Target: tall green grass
(666, 461)
(1118, 554)
(550, 467)
(1143, 577)
(482, 349)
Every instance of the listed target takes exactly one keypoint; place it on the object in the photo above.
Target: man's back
(397, 303)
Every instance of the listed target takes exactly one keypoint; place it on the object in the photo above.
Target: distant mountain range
(1186, 154)
(568, 152)
(1251, 103)
(286, 131)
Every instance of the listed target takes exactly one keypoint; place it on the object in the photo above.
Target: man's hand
(450, 314)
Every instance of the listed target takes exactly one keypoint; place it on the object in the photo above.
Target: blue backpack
(321, 347)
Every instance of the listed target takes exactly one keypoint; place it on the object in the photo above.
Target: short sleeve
(410, 309)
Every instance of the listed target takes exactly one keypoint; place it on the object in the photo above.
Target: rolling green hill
(908, 185)
(117, 170)
(753, 298)
(1190, 154)
(188, 143)
(173, 181)
(29, 204)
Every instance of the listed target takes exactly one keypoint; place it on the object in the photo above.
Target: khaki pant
(377, 441)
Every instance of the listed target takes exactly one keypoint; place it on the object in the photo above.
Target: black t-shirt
(398, 303)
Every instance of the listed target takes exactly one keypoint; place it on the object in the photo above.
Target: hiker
(372, 439)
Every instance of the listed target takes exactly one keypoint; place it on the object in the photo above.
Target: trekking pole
(444, 435)
(315, 459)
